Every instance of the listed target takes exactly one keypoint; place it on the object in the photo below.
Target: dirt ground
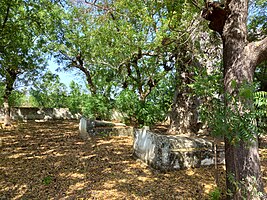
(48, 160)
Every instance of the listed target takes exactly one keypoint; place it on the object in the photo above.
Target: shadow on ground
(48, 160)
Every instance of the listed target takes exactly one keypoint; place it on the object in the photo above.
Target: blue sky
(65, 76)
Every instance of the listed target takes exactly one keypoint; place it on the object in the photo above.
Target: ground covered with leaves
(48, 160)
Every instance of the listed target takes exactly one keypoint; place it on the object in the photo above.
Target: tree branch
(261, 48)
(105, 8)
(80, 65)
(96, 5)
(257, 51)
(6, 17)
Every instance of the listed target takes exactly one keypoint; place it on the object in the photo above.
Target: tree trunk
(242, 158)
(7, 119)
(243, 170)
(11, 76)
(240, 59)
(184, 115)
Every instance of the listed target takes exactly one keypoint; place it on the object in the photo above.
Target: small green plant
(215, 194)
(104, 134)
(47, 180)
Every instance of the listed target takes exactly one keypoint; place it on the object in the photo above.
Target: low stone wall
(29, 113)
(165, 152)
(89, 128)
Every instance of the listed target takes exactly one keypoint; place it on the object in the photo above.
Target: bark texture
(240, 59)
(7, 121)
(184, 114)
(11, 76)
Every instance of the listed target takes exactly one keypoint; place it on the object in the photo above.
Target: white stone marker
(83, 128)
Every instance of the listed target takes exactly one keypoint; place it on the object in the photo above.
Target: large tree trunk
(242, 158)
(7, 121)
(9, 83)
(240, 59)
(184, 114)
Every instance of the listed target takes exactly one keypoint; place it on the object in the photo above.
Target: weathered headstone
(83, 128)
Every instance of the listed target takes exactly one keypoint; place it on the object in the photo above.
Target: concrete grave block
(166, 152)
(90, 128)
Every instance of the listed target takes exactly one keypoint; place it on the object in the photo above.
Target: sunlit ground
(48, 160)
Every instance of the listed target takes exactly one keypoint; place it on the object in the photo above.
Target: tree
(49, 92)
(74, 49)
(155, 109)
(131, 45)
(25, 27)
(75, 98)
(240, 58)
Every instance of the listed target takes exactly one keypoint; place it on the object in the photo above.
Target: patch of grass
(215, 194)
(47, 180)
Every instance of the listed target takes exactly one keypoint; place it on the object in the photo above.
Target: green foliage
(49, 92)
(154, 109)
(260, 101)
(91, 106)
(257, 23)
(97, 106)
(17, 98)
(26, 29)
(208, 87)
(127, 103)
(47, 180)
(23, 50)
(215, 194)
(130, 45)
(237, 120)
(75, 98)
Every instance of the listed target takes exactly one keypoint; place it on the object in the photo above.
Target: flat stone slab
(89, 128)
(167, 152)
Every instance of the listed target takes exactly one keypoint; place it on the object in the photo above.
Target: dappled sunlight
(86, 158)
(17, 155)
(21, 190)
(109, 184)
(190, 172)
(76, 187)
(109, 194)
(79, 143)
(49, 160)
(263, 158)
(74, 175)
(143, 178)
